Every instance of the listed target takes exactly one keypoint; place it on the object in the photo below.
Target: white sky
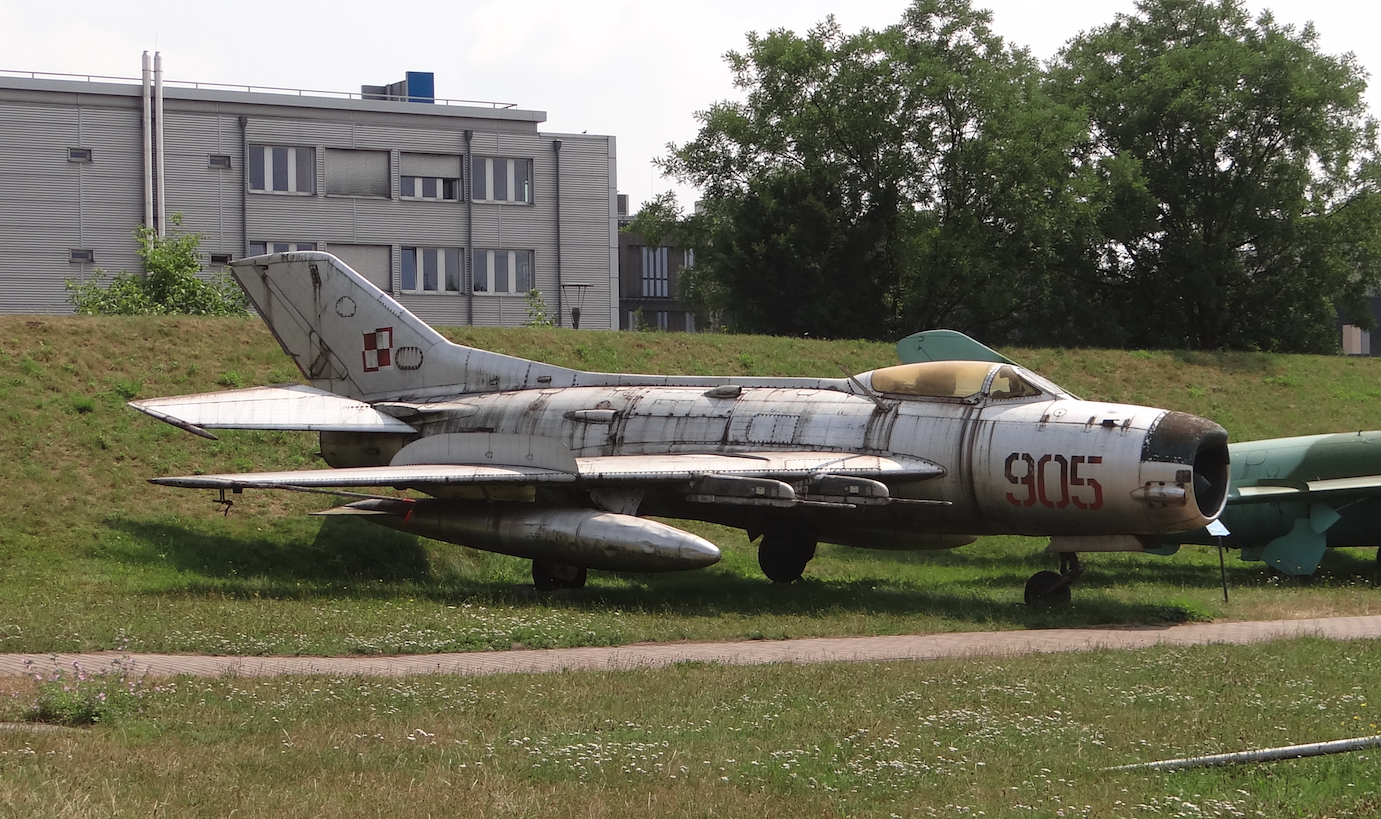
(637, 70)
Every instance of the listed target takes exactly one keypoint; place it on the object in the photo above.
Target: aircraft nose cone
(1199, 444)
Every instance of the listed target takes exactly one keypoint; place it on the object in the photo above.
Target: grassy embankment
(91, 556)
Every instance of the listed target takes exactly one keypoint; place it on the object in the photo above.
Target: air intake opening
(1180, 438)
(1212, 472)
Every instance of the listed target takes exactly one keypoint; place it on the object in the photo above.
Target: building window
(357, 173)
(280, 169)
(502, 271)
(432, 270)
(79, 155)
(656, 281)
(220, 258)
(1356, 341)
(501, 180)
(260, 248)
(76, 256)
(428, 187)
(218, 161)
(429, 176)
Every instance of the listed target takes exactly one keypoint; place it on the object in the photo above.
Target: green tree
(170, 283)
(1239, 174)
(876, 183)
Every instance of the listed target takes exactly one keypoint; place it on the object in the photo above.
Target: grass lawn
(957, 738)
(93, 557)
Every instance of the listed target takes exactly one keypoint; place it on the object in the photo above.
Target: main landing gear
(783, 557)
(1051, 589)
(548, 576)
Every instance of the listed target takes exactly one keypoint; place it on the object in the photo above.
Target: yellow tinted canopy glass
(934, 379)
(1009, 384)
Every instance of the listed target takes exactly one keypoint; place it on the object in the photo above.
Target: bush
(75, 698)
(169, 285)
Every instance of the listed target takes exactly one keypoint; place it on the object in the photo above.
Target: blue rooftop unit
(417, 86)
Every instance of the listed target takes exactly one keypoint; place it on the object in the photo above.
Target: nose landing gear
(1052, 589)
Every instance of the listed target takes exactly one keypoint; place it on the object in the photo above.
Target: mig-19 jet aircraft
(561, 466)
(1289, 499)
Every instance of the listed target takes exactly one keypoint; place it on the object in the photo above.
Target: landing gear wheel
(548, 576)
(1047, 590)
(784, 557)
(1052, 589)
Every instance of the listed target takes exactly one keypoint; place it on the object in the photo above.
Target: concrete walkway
(812, 650)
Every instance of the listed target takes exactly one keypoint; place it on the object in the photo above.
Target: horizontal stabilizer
(288, 406)
(946, 345)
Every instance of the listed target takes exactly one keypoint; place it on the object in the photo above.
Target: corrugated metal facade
(49, 205)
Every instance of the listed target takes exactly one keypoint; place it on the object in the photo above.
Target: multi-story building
(649, 282)
(457, 209)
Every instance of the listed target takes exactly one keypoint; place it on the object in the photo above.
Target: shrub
(170, 283)
(537, 313)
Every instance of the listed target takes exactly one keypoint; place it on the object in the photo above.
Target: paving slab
(752, 652)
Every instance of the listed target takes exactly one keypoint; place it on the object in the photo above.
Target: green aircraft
(1293, 498)
(1290, 499)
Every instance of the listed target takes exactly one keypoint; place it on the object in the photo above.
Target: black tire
(783, 558)
(1047, 590)
(547, 576)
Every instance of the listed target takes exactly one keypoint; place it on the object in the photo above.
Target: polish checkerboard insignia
(378, 350)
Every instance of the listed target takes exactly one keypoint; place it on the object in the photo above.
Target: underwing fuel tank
(578, 537)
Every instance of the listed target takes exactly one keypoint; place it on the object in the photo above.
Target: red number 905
(1052, 481)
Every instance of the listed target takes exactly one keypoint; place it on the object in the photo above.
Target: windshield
(934, 379)
(1008, 383)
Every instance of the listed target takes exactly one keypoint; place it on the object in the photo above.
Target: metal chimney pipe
(148, 145)
(162, 213)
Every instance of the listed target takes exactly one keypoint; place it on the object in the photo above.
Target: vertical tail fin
(350, 338)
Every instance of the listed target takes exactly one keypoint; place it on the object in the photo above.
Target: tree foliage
(1184, 177)
(877, 182)
(170, 283)
(1239, 166)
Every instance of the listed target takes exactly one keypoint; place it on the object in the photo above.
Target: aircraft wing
(420, 475)
(287, 406)
(1306, 490)
(779, 465)
(621, 470)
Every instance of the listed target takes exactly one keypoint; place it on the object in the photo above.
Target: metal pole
(1223, 570)
(467, 173)
(244, 186)
(560, 280)
(1264, 755)
(161, 214)
(148, 143)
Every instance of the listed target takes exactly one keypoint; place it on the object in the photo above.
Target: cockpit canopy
(955, 379)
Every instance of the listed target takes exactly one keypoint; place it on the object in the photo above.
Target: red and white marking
(378, 350)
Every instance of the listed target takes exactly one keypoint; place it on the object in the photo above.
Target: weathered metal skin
(580, 537)
(923, 455)
(1291, 499)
